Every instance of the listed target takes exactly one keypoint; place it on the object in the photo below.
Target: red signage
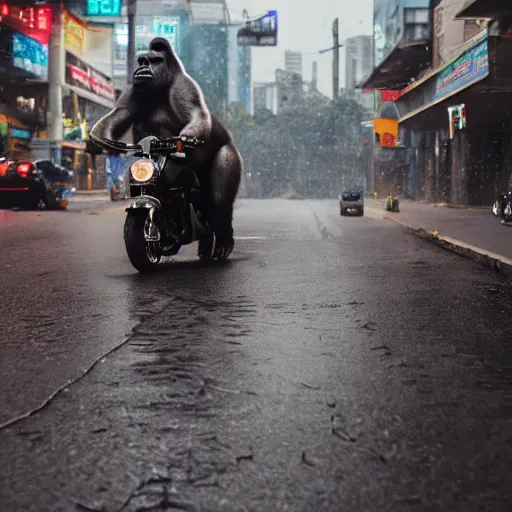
(387, 140)
(35, 22)
(390, 95)
(88, 79)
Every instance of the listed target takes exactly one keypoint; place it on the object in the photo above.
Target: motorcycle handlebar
(156, 145)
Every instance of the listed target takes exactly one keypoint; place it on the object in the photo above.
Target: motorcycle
(502, 206)
(166, 209)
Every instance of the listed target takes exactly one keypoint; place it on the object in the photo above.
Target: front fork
(151, 231)
(156, 223)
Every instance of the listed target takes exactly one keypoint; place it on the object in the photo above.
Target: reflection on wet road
(332, 364)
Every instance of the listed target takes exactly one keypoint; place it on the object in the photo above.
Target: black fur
(165, 101)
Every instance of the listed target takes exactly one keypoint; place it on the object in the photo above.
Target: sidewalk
(474, 233)
(88, 193)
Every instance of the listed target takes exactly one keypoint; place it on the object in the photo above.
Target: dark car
(352, 201)
(34, 184)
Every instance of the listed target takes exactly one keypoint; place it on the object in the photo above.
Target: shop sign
(35, 22)
(260, 31)
(470, 68)
(83, 76)
(104, 8)
(390, 95)
(386, 132)
(74, 31)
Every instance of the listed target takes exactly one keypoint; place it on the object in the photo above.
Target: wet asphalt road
(332, 364)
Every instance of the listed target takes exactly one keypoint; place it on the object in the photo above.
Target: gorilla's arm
(117, 123)
(188, 102)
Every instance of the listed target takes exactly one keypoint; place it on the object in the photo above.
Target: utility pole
(335, 60)
(130, 57)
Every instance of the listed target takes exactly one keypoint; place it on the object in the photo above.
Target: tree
(309, 146)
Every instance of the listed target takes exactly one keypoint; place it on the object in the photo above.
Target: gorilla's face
(153, 71)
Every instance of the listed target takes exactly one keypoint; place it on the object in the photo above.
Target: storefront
(87, 95)
(24, 39)
(462, 113)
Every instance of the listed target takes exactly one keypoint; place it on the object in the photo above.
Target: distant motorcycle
(502, 206)
(166, 208)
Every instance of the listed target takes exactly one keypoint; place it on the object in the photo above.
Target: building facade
(293, 62)
(454, 105)
(358, 66)
(239, 70)
(287, 90)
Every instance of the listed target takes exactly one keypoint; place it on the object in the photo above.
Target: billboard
(30, 55)
(260, 31)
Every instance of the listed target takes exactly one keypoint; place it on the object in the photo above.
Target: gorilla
(165, 101)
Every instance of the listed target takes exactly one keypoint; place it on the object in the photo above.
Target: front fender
(144, 202)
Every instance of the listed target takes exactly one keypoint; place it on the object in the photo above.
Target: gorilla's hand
(193, 132)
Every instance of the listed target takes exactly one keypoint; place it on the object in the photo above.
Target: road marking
(250, 238)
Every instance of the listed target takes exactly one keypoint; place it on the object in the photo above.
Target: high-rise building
(293, 62)
(239, 70)
(358, 66)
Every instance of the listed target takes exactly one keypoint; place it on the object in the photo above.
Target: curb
(489, 259)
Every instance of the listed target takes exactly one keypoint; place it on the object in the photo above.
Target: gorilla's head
(157, 66)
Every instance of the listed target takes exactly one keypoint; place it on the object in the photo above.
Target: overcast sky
(305, 26)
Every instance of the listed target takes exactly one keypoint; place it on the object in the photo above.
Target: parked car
(352, 201)
(35, 184)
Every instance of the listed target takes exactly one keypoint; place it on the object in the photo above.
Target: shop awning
(405, 62)
(478, 9)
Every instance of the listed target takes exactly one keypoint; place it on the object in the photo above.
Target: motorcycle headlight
(142, 170)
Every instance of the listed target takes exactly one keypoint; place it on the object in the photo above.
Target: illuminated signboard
(74, 32)
(104, 8)
(30, 55)
(17, 133)
(260, 31)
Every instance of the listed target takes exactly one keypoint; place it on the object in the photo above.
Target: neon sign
(103, 7)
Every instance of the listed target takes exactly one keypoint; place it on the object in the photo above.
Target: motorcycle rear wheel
(143, 255)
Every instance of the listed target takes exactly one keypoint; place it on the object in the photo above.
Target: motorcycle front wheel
(143, 255)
